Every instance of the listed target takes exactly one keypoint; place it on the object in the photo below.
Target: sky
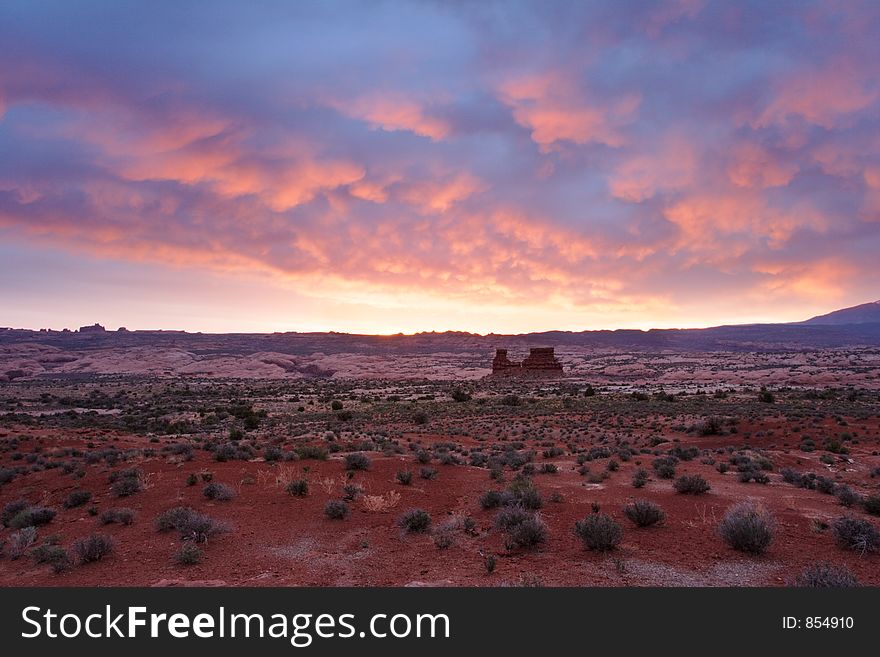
(384, 167)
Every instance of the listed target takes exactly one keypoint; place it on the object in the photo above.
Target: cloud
(824, 96)
(392, 112)
(552, 107)
(670, 166)
(596, 161)
(752, 165)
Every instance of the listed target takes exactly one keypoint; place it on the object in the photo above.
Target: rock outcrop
(541, 361)
(94, 328)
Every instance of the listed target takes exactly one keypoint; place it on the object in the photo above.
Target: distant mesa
(541, 362)
(94, 328)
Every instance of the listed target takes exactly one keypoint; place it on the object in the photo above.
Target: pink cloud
(394, 111)
(721, 225)
(752, 165)
(437, 195)
(555, 110)
(670, 166)
(822, 96)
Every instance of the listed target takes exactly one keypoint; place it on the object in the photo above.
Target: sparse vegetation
(691, 485)
(644, 513)
(218, 492)
(336, 510)
(826, 575)
(93, 548)
(856, 534)
(415, 521)
(77, 498)
(747, 528)
(298, 488)
(599, 532)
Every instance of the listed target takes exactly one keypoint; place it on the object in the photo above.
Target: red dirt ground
(280, 540)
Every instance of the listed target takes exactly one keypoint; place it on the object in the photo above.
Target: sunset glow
(385, 167)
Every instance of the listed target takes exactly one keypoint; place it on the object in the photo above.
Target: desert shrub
(529, 498)
(357, 461)
(711, 427)
(32, 516)
(199, 528)
(415, 521)
(825, 485)
(448, 458)
(191, 479)
(420, 417)
(218, 492)
(336, 405)
(77, 498)
(460, 395)
(491, 499)
(856, 534)
(444, 536)
(12, 509)
(872, 505)
(509, 516)
(549, 468)
(765, 396)
(510, 400)
(232, 451)
(126, 486)
(529, 533)
(790, 476)
(644, 513)
(691, 485)
(753, 474)
(311, 452)
(722, 467)
(747, 528)
(423, 456)
(489, 562)
(7, 475)
(599, 532)
(684, 453)
(93, 548)
(272, 453)
(53, 555)
(20, 541)
(664, 466)
(336, 510)
(640, 478)
(404, 477)
(847, 496)
(120, 516)
(351, 492)
(427, 473)
(524, 493)
(189, 554)
(298, 488)
(826, 575)
(192, 525)
(173, 518)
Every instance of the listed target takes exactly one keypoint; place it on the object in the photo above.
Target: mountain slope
(862, 314)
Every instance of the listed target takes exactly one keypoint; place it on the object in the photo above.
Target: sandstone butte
(541, 362)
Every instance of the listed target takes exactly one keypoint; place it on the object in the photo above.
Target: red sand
(282, 540)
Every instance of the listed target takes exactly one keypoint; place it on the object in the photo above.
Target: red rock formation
(501, 363)
(94, 328)
(541, 361)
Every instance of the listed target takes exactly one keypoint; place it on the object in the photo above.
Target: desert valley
(732, 456)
